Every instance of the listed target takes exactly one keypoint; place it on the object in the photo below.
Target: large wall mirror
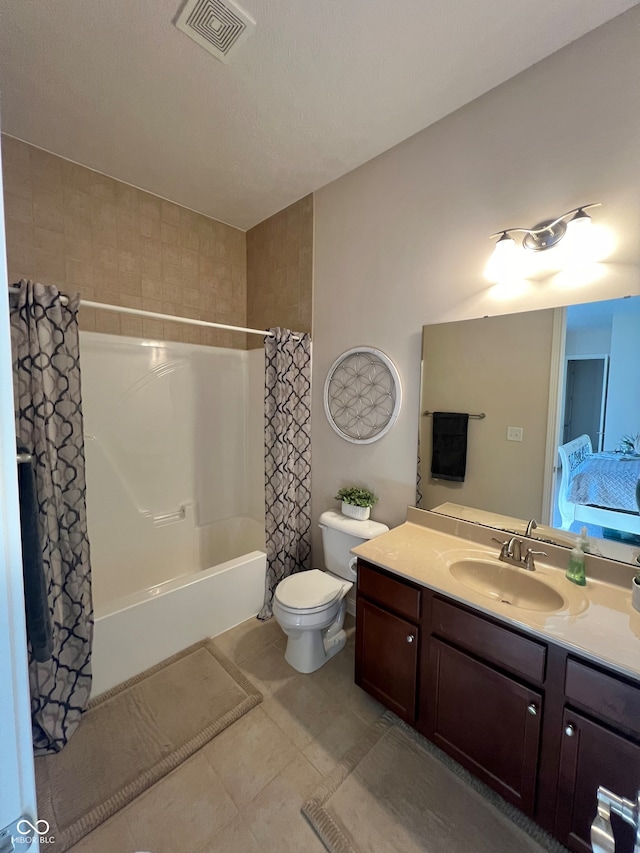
(560, 389)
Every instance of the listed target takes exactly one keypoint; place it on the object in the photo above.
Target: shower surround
(175, 495)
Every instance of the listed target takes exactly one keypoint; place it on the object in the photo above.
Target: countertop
(597, 620)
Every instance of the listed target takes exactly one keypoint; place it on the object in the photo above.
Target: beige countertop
(596, 620)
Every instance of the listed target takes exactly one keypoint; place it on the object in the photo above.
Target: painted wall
(623, 399)
(79, 230)
(402, 241)
(500, 366)
(589, 341)
(280, 270)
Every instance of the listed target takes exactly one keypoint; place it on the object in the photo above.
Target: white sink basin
(501, 582)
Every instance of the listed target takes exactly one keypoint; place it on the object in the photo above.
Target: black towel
(35, 587)
(449, 457)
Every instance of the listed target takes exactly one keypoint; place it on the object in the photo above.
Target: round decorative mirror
(362, 395)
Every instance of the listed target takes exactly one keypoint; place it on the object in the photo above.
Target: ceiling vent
(217, 26)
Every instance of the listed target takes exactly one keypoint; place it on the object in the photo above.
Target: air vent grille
(219, 27)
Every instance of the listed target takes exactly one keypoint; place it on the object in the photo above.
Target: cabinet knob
(532, 709)
(410, 638)
(570, 730)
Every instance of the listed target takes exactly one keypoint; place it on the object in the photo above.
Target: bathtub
(175, 496)
(141, 629)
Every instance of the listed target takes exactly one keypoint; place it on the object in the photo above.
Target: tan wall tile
(75, 228)
(170, 212)
(101, 186)
(107, 322)
(87, 319)
(149, 227)
(17, 181)
(103, 218)
(149, 206)
(131, 326)
(48, 209)
(49, 241)
(279, 275)
(46, 170)
(76, 202)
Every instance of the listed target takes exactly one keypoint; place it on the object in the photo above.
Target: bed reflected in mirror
(559, 443)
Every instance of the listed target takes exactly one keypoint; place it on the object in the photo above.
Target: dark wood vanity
(539, 724)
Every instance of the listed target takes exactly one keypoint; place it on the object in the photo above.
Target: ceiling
(320, 88)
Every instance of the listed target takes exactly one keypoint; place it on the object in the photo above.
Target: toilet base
(308, 650)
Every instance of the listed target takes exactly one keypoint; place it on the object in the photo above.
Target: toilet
(310, 606)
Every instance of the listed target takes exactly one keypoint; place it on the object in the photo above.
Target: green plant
(630, 444)
(356, 496)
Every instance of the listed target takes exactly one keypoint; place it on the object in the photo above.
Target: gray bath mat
(397, 793)
(135, 734)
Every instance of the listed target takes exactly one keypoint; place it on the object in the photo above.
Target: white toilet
(310, 606)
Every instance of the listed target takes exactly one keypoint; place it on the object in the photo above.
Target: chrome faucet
(531, 525)
(512, 552)
(602, 839)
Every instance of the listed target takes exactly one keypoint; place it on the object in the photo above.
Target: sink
(500, 582)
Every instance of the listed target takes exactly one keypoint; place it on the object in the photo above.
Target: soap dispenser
(575, 571)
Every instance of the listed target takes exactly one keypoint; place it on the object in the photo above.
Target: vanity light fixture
(507, 261)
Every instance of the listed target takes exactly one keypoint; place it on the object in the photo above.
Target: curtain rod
(138, 312)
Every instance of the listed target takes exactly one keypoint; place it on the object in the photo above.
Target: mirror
(544, 379)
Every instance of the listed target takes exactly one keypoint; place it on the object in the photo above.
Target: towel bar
(21, 458)
(478, 417)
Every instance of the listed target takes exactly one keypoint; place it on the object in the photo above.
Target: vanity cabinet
(388, 641)
(598, 747)
(542, 727)
(593, 755)
(486, 720)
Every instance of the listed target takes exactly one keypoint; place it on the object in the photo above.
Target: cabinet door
(592, 755)
(485, 720)
(387, 658)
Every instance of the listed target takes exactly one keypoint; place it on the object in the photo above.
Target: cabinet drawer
(493, 643)
(606, 696)
(395, 595)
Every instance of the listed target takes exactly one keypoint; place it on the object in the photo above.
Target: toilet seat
(309, 592)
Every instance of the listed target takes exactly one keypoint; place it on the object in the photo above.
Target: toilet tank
(339, 535)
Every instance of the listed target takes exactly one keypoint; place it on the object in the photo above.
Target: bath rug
(395, 791)
(135, 734)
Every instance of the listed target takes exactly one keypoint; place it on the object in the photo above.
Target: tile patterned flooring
(242, 792)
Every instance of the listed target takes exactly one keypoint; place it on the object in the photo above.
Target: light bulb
(503, 263)
(579, 222)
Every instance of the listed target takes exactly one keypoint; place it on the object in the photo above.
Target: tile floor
(242, 792)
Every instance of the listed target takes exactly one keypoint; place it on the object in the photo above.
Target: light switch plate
(514, 433)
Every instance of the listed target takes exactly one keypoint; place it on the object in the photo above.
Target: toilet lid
(305, 590)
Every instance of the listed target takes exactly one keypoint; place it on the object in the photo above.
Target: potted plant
(356, 502)
(630, 445)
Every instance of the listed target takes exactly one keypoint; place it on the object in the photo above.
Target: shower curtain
(287, 458)
(46, 362)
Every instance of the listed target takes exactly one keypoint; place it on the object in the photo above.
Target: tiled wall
(79, 230)
(280, 270)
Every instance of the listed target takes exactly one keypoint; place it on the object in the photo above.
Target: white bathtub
(175, 496)
(137, 631)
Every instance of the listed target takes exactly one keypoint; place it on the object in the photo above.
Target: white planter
(635, 594)
(362, 513)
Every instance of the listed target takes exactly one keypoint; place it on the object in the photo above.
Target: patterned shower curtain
(287, 458)
(45, 344)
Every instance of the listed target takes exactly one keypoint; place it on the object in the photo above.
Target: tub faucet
(531, 525)
(602, 839)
